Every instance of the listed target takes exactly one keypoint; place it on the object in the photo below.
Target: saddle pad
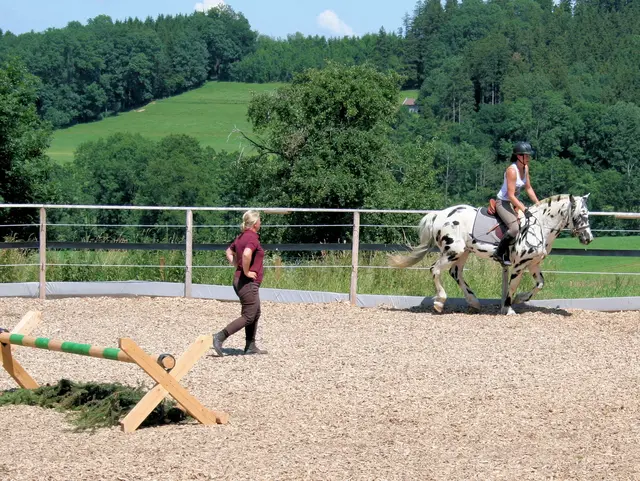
(484, 223)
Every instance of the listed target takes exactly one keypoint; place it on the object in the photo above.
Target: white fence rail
(189, 226)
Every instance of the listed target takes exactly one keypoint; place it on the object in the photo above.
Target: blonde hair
(249, 219)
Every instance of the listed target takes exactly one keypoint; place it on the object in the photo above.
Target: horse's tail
(415, 255)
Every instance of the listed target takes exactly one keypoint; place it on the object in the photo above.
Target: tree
(110, 172)
(448, 91)
(620, 139)
(24, 138)
(182, 173)
(325, 137)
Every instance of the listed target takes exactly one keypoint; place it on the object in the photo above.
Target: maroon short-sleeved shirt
(251, 240)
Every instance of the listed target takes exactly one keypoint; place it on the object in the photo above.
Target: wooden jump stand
(164, 369)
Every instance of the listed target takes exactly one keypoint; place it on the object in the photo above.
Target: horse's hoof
(508, 311)
(438, 306)
(473, 310)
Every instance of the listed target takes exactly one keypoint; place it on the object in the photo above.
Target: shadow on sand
(487, 307)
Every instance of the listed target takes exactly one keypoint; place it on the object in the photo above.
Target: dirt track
(346, 393)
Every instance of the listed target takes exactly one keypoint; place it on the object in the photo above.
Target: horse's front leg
(536, 272)
(514, 282)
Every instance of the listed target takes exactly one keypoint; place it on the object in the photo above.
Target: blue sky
(271, 17)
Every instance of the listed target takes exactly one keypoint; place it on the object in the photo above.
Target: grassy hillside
(408, 93)
(209, 113)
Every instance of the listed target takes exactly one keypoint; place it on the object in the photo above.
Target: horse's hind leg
(536, 272)
(451, 255)
(457, 273)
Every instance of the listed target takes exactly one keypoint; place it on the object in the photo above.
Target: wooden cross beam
(28, 323)
(164, 370)
(167, 383)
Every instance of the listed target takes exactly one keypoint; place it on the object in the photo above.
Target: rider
(515, 177)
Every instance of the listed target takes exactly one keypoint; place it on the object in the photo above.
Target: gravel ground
(345, 393)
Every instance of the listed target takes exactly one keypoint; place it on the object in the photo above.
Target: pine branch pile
(92, 405)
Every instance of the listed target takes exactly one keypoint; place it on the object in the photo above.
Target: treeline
(89, 72)
(462, 55)
(468, 53)
(564, 77)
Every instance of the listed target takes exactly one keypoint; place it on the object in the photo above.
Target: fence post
(42, 287)
(355, 249)
(188, 254)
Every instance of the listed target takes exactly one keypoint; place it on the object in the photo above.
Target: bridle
(577, 230)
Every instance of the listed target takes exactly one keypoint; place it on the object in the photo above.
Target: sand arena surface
(345, 393)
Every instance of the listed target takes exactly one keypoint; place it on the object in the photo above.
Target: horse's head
(579, 219)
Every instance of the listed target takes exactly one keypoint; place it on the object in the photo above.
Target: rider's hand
(528, 214)
(252, 275)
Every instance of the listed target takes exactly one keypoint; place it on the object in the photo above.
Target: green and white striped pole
(167, 361)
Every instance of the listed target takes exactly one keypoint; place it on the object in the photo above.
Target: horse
(452, 231)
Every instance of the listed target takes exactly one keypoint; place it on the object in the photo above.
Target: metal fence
(355, 246)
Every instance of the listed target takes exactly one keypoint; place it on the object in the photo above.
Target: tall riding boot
(502, 252)
(251, 348)
(218, 339)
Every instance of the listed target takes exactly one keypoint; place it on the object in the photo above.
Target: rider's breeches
(508, 216)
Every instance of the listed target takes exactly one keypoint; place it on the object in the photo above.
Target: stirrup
(504, 261)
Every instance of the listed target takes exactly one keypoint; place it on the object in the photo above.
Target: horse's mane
(552, 199)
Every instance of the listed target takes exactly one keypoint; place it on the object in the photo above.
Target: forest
(564, 77)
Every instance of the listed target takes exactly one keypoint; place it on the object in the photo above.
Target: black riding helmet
(522, 148)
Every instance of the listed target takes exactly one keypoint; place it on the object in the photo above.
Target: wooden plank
(42, 248)
(154, 397)
(173, 387)
(28, 323)
(188, 255)
(355, 248)
(15, 370)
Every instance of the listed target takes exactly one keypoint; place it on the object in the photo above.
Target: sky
(276, 18)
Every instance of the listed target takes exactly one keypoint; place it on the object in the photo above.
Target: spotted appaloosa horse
(451, 231)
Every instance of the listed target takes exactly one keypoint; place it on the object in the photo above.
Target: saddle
(488, 226)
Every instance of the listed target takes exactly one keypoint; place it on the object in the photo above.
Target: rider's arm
(511, 189)
(527, 187)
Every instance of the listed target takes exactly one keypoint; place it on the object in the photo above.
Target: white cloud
(208, 4)
(329, 20)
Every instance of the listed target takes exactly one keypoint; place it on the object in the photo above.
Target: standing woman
(515, 178)
(246, 253)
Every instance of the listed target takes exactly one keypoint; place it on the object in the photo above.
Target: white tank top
(520, 183)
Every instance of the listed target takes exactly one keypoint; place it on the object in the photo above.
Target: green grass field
(592, 263)
(209, 114)
(408, 93)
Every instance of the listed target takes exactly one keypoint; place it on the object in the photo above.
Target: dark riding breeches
(250, 313)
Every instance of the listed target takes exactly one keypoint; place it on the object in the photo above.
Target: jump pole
(167, 361)
(164, 369)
